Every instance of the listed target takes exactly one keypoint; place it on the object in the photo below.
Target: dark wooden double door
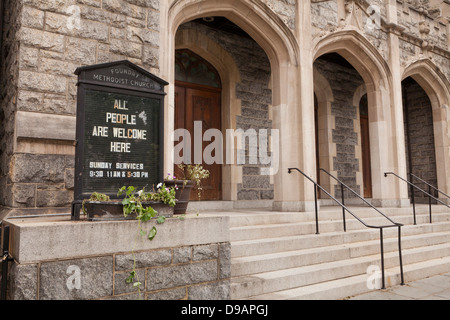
(201, 104)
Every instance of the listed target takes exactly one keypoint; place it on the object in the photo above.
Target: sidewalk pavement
(433, 288)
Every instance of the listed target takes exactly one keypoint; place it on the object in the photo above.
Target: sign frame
(121, 78)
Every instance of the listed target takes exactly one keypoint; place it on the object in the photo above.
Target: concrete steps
(279, 256)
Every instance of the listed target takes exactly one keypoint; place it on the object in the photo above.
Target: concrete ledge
(10, 213)
(35, 240)
(294, 206)
(391, 203)
(202, 206)
(47, 126)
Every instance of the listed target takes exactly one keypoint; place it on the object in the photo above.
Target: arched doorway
(365, 147)
(437, 88)
(342, 137)
(281, 48)
(419, 133)
(197, 109)
(246, 101)
(385, 153)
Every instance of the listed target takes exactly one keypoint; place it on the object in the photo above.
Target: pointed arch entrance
(385, 154)
(280, 45)
(433, 83)
(198, 90)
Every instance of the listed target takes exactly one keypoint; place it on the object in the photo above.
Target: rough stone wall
(183, 273)
(285, 10)
(443, 63)
(343, 81)
(45, 41)
(324, 16)
(8, 93)
(420, 25)
(421, 160)
(256, 98)
(328, 16)
(55, 38)
(423, 34)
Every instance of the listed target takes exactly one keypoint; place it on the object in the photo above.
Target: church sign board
(120, 133)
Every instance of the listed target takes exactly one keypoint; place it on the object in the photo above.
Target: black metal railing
(343, 185)
(431, 188)
(5, 259)
(381, 228)
(429, 195)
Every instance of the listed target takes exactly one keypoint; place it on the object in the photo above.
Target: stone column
(293, 192)
(398, 191)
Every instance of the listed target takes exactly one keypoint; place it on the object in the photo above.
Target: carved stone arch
(322, 87)
(359, 93)
(360, 53)
(432, 80)
(253, 16)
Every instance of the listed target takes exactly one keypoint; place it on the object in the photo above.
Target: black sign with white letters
(120, 134)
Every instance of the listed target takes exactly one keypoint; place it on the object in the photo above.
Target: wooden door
(200, 103)
(365, 150)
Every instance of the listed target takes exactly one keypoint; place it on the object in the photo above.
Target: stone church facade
(358, 88)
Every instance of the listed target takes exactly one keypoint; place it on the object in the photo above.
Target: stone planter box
(113, 210)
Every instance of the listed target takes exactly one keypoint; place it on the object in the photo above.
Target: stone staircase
(278, 256)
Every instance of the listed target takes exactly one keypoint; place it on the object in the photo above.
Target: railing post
(429, 203)
(383, 286)
(5, 259)
(316, 209)
(414, 204)
(343, 209)
(400, 254)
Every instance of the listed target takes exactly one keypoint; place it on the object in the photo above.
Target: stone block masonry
(44, 43)
(83, 261)
(344, 80)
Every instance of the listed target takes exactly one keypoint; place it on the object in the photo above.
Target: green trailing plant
(134, 203)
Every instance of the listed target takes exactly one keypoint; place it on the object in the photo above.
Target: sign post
(120, 130)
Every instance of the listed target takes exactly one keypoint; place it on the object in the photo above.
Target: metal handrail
(395, 224)
(357, 195)
(412, 195)
(430, 186)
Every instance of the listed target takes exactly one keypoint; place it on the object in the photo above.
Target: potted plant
(190, 176)
(136, 204)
